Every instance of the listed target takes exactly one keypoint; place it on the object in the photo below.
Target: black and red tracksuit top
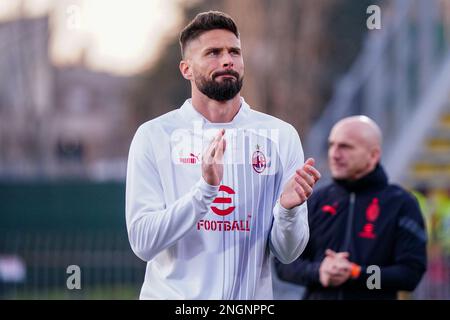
(377, 223)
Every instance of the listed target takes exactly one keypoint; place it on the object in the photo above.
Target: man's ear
(376, 154)
(185, 70)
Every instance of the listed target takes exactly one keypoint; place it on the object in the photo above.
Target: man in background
(367, 237)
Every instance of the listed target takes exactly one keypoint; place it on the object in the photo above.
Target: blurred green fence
(46, 227)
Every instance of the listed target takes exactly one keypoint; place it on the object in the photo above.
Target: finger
(300, 193)
(224, 144)
(343, 264)
(310, 172)
(338, 277)
(304, 185)
(336, 274)
(313, 172)
(206, 157)
(343, 254)
(343, 270)
(218, 136)
(309, 180)
(307, 189)
(211, 147)
(209, 154)
(219, 150)
(220, 140)
(330, 253)
(345, 273)
(334, 270)
(310, 162)
(221, 133)
(211, 150)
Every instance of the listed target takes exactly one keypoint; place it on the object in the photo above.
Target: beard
(225, 90)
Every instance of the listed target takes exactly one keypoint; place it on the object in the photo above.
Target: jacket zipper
(351, 215)
(348, 231)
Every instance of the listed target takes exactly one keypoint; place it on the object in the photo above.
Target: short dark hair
(206, 21)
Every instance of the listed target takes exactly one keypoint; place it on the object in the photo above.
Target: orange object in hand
(355, 271)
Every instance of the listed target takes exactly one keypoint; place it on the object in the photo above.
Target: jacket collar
(375, 180)
(189, 113)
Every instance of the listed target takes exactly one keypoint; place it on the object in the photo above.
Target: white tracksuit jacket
(210, 242)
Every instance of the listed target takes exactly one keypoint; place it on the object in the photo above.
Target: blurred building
(26, 89)
(57, 122)
(89, 128)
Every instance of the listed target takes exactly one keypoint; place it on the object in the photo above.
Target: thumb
(343, 254)
(330, 253)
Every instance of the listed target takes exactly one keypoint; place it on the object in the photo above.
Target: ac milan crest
(368, 231)
(258, 160)
(373, 210)
(372, 214)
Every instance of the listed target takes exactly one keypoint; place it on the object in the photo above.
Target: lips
(338, 165)
(229, 74)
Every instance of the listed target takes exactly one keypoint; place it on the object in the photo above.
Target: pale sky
(120, 36)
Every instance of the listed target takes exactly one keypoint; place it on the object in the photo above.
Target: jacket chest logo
(191, 158)
(372, 214)
(330, 209)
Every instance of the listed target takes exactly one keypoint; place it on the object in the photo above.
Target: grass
(117, 292)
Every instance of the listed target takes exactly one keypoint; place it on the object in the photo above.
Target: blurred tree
(159, 89)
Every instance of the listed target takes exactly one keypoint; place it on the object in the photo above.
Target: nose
(333, 153)
(227, 61)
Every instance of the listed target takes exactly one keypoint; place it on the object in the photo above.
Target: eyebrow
(222, 48)
(346, 144)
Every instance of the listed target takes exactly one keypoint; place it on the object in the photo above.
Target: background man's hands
(335, 268)
(298, 189)
(212, 160)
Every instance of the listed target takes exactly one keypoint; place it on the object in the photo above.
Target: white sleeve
(290, 231)
(152, 224)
